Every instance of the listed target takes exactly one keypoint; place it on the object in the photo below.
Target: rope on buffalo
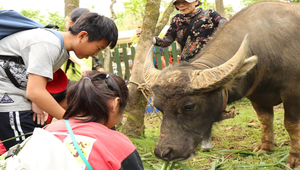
(147, 92)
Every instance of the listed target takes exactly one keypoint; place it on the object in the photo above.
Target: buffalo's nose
(164, 153)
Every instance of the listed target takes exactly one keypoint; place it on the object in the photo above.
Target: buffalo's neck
(240, 88)
(213, 57)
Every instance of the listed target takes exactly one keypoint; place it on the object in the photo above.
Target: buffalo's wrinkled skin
(191, 99)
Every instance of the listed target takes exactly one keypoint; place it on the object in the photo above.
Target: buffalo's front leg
(265, 115)
(206, 145)
(292, 125)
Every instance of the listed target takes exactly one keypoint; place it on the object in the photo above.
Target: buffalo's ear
(249, 63)
(247, 66)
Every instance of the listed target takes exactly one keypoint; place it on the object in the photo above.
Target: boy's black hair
(97, 26)
(90, 95)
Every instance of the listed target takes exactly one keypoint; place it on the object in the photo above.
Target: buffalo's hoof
(205, 149)
(294, 161)
(265, 147)
(206, 145)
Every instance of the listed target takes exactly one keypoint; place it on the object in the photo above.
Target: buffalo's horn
(150, 72)
(210, 79)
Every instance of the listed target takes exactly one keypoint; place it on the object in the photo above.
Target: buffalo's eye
(189, 107)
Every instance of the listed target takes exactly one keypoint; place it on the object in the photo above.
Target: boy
(41, 52)
(74, 67)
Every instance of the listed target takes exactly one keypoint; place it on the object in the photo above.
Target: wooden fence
(121, 61)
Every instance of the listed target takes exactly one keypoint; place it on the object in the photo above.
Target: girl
(95, 104)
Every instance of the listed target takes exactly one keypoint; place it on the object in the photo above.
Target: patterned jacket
(207, 22)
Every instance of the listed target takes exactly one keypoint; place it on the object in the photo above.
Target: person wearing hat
(206, 22)
(75, 67)
(43, 53)
(57, 88)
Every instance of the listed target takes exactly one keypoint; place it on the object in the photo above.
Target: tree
(135, 6)
(164, 20)
(107, 58)
(133, 15)
(127, 21)
(134, 125)
(54, 18)
(229, 12)
(34, 15)
(220, 7)
(70, 5)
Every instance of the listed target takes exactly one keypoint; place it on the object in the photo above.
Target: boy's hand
(84, 68)
(138, 31)
(100, 69)
(37, 93)
(39, 114)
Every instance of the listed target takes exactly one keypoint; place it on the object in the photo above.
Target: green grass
(233, 142)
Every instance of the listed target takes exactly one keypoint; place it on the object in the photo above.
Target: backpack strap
(86, 162)
(70, 62)
(52, 26)
(18, 60)
(67, 65)
(58, 34)
(188, 30)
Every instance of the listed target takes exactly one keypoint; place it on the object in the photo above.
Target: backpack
(42, 151)
(12, 22)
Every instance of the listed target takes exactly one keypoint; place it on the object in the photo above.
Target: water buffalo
(255, 55)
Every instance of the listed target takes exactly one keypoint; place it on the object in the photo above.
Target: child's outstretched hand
(39, 115)
(138, 31)
(84, 68)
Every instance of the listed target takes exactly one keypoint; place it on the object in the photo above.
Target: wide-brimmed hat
(59, 82)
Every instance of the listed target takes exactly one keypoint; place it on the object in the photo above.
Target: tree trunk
(220, 7)
(69, 6)
(113, 15)
(134, 125)
(166, 16)
(107, 60)
(107, 57)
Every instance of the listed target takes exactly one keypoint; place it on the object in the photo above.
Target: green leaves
(54, 18)
(136, 7)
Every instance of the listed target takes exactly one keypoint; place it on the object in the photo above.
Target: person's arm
(37, 93)
(133, 161)
(138, 31)
(100, 69)
(84, 68)
(217, 19)
(170, 35)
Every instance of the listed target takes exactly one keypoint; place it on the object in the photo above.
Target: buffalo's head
(191, 100)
